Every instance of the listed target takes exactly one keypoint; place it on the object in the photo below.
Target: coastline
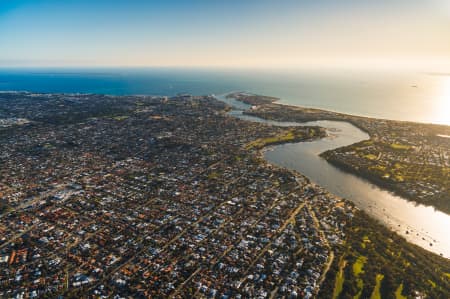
(182, 163)
(377, 129)
(383, 184)
(339, 116)
(364, 229)
(366, 236)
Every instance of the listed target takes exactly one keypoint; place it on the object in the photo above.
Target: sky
(212, 33)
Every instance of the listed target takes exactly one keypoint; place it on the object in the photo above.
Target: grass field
(398, 292)
(339, 282)
(398, 146)
(376, 291)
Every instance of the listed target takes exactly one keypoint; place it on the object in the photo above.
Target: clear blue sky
(223, 33)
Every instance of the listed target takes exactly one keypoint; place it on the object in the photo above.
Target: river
(419, 224)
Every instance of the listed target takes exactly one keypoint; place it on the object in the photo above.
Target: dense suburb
(169, 197)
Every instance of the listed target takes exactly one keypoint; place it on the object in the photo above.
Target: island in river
(409, 159)
(140, 196)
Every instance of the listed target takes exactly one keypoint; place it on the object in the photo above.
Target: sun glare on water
(441, 113)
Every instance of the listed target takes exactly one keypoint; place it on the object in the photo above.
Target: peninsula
(409, 159)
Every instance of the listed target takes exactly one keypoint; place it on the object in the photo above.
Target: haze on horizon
(177, 33)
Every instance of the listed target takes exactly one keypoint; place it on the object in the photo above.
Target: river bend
(419, 224)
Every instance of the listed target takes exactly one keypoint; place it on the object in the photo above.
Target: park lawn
(398, 146)
(366, 239)
(370, 157)
(398, 292)
(358, 265)
(433, 284)
(358, 269)
(376, 290)
(339, 282)
(281, 138)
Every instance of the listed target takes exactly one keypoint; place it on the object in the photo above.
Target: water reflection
(421, 225)
(441, 112)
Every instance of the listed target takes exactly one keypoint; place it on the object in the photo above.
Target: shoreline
(418, 234)
(278, 101)
(376, 181)
(382, 145)
(174, 189)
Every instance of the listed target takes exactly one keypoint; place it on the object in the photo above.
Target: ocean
(420, 97)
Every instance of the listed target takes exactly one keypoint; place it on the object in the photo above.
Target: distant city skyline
(48, 33)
